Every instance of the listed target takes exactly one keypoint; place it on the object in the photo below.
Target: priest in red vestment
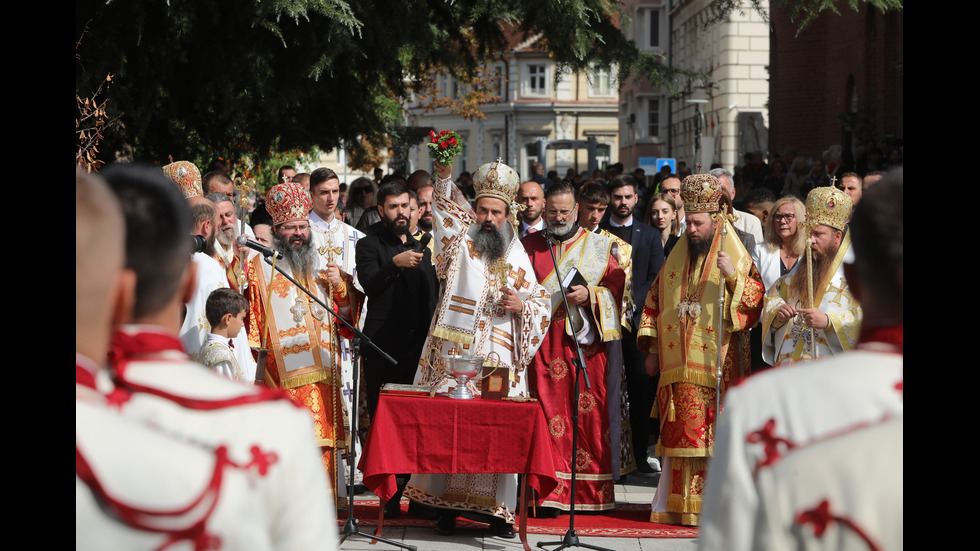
(595, 321)
(303, 339)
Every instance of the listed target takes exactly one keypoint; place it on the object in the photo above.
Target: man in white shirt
(531, 196)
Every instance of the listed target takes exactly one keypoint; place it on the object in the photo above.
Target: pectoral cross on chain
(298, 309)
(500, 268)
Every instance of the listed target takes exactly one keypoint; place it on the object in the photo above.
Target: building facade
(711, 121)
(537, 102)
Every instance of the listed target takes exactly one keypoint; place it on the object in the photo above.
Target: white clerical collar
(321, 223)
(539, 226)
(626, 225)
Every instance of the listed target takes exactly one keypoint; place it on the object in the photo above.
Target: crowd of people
(669, 294)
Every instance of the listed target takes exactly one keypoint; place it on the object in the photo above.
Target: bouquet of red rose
(444, 146)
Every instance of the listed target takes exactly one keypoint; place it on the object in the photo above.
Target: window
(649, 122)
(445, 84)
(602, 82)
(499, 83)
(651, 33)
(536, 83)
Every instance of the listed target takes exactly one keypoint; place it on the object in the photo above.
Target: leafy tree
(193, 77)
(802, 11)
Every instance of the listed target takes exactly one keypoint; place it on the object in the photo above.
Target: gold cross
(500, 268)
(244, 185)
(833, 181)
(838, 293)
(330, 250)
(473, 252)
(519, 280)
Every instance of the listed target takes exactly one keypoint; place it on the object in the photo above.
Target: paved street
(632, 490)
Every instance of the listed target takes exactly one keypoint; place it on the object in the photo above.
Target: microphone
(266, 251)
(549, 236)
(423, 242)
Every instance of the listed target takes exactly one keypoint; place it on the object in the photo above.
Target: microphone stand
(571, 536)
(350, 525)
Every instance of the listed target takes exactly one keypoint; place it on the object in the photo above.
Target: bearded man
(426, 219)
(835, 317)
(227, 232)
(679, 332)
(211, 275)
(303, 339)
(595, 323)
(491, 307)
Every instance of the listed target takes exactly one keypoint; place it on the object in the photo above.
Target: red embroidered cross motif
(260, 460)
(770, 443)
(820, 517)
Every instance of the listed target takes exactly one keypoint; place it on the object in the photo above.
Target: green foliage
(264, 166)
(802, 11)
(195, 77)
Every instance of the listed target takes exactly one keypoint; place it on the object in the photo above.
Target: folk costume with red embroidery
(239, 428)
(680, 325)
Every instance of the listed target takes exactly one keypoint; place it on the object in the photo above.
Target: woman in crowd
(361, 200)
(662, 215)
(784, 242)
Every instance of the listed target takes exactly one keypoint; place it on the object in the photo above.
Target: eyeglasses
(295, 227)
(562, 213)
(784, 217)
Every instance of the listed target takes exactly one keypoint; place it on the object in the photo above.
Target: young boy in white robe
(225, 310)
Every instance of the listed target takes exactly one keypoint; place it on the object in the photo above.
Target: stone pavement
(632, 490)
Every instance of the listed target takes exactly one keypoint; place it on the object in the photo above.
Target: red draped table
(444, 435)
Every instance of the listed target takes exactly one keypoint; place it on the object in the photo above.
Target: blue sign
(672, 163)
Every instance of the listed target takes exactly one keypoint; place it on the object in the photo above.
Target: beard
(489, 241)
(209, 246)
(623, 212)
(395, 226)
(227, 235)
(697, 248)
(300, 259)
(561, 230)
(821, 265)
(425, 224)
